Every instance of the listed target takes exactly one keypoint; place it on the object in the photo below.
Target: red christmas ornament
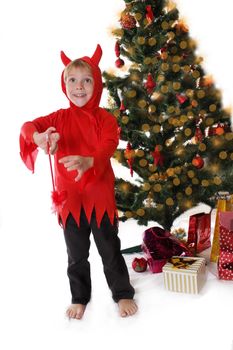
(139, 264)
(158, 157)
(149, 14)
(198, 162)
(181, 98)
(119, 63)
(150, 84)
(198, 134)
(129, 157)
(122, 106)
(219, 130)
(128, 21)
(117, 49)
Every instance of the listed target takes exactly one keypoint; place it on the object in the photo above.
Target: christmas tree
(177, 135)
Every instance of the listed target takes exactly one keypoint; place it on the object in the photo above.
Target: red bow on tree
(149, 14)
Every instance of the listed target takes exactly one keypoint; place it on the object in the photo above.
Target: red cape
(86, 131)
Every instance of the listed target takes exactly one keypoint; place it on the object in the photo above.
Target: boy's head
(82, 80)
(79, 82)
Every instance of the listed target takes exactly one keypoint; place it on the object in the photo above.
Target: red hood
(93, 61)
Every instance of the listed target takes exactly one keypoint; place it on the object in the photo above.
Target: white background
(34, 288)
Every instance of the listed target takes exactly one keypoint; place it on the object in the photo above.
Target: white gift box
(184, 274)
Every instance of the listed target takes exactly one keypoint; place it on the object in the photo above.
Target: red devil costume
(88, 131)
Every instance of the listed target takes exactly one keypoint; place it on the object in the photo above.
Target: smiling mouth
(79, 95)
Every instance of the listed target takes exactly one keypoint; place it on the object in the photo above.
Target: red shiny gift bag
(225, 262)
(199, 232)
(160, 245)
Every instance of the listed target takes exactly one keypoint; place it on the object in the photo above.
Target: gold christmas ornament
(152, 41)
(164, 25)
(201, 94)
(164, 66)
(171, 35)
(212, 108)
(154, 60)
(141, 40)
(183, 44)
(125, 119)
(131, 93)
(160, 78)
(140, 212)
(176, 85)
(188, 191)
(147, 60)
(143, 163)
(170, 172)
(156, 128)
(187, 132)
(195, 181)
(229, 136)
(176, 68)
(186, 69)
(140, 153)
(164, 89)
(146, 186)
(223, 155)
(128, 214)
(202, 147)
(209, 121)
(152, 109)
(196, 74)
(138, 16)
(152, 168)
(157, 188)
(217, 180)
(191, 174)
(183, 118)
(145, 127)
(205, 183)
(176, 181)
(142, 104)
(169, 201)
(171, 109)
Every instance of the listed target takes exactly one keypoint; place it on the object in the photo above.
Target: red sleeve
(28, 149)
(108, 144)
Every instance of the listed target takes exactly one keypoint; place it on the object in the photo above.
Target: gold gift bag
(224, 203)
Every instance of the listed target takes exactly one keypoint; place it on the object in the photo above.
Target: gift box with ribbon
(184, 274)
(225, 262)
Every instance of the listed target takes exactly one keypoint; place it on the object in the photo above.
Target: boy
(83, 138)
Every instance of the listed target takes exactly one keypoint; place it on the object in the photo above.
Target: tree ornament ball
(139, 264)
(198, 162)
(128, 21)
(119, 63)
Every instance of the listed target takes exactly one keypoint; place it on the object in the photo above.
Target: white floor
(34, 294)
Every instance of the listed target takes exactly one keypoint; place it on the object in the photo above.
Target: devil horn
(97, 55)
(65, 59)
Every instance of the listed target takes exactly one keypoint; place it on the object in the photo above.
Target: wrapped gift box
(184, 274)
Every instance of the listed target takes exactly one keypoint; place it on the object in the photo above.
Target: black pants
(108, 244)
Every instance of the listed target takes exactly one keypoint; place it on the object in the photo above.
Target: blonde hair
(76, 64)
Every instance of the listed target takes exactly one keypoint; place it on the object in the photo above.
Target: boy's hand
(79, 163)
(42, 139)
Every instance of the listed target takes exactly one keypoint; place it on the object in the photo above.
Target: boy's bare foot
(76, 311)
(127, 307)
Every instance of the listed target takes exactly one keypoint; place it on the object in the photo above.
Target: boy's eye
(71, 80)
(88, 80)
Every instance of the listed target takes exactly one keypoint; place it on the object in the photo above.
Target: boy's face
(79, 86)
